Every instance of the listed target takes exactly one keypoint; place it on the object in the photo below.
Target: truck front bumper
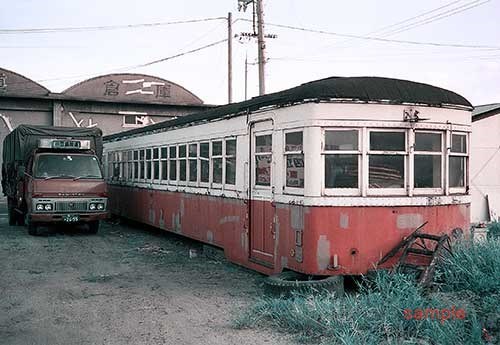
(68, 210)
(60, 218)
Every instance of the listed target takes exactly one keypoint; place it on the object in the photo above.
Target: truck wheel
(93, 227)
(287, 282)
(12, 216)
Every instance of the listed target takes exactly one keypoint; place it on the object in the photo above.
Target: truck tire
(93, 227)
(288, 282)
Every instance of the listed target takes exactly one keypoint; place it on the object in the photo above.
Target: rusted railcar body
(322, 179)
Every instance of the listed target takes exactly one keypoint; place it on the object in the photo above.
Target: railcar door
(261, 206)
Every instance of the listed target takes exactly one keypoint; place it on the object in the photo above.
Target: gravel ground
(126, 285)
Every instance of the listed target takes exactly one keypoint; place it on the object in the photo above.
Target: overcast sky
(59, 60)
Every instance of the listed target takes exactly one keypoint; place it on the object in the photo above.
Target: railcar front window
(217, 162)
(263, 159)
(231, 161)
(341, 148)
(182, 163)
(457, 159)
(387, 159)
(428, 160)
(204, 162)
(294, 159)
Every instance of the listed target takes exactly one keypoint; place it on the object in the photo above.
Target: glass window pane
(182, 151)
(163, 152)
(182, 169)
(173, 170)
(293, 141)
(231, 147)
(217, 170)
(387, 141)
(148, 154)
(341, 140)
(193, 150)
(142, 169)
(193, 173)
(204, 171)
(231, 170)
(173, 151)
(341, 171)
(156, 170)
(263, 170)
(263, 143)
(164, 170)
(217, 148)
(136, 155)
(427, 171)
(142, 154)
(457, 171)
(458, 143)
(295, 171)
(156, 152)
(136, 170)
(386, 171)
(204, 150)
(428, 142)
(148, 170)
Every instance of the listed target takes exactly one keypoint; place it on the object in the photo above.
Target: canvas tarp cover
(19, 144)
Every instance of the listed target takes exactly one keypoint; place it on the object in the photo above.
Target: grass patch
(376, 314)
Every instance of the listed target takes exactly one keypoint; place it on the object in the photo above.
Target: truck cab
(59, 180)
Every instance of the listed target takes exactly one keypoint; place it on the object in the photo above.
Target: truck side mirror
(20, 172)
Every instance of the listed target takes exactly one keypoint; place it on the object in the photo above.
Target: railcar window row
(394, 161)
(193, 164)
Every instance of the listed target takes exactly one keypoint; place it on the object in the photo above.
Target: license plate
(71, 218)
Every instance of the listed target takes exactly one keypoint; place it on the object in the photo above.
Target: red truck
(53, 175)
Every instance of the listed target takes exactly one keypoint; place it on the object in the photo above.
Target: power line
(103, 27)
(379, 39)
(437, 17)
(140, 65)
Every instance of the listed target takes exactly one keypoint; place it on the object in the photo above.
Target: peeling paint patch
(176, 222)
(229, 219)
(284, 262)
(297, 217)
(152, 216)
(210, 236)
(182, 207)
(409, 220)
(344, 221)
(161, 221)
(244, 241)
(323, 253)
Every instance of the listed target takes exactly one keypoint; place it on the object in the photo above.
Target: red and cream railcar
(323, 179)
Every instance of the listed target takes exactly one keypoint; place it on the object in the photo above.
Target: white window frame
(256, 187)
(164, 159)
(228, 186)
(288, 189)
(216, 185)
(388, 191)
(153, 160)
(207, 159)
(179, 159)
(188, 166)
(414, 153)
(458, 190)
(176, 160)
(358, 152)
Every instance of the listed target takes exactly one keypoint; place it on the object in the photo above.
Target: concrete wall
(485, 169)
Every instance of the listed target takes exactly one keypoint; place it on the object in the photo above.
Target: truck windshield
(67, 166)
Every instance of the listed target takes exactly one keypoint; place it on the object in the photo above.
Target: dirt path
(125, 285)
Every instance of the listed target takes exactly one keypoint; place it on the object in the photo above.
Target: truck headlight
(100, 206)
(92, 207)
(48, 207)
(39, 207)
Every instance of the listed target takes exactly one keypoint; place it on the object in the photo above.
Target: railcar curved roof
(343, 89)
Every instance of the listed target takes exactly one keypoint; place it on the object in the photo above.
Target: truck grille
(70, 206)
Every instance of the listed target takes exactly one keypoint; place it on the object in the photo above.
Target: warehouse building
(113, 102)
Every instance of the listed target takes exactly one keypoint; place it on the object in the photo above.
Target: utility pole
(261, 46)
(229, 57)
(246, 77)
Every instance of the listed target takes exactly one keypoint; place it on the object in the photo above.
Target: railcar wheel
(285, 283)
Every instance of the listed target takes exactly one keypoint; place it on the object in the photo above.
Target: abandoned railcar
(322, 179)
